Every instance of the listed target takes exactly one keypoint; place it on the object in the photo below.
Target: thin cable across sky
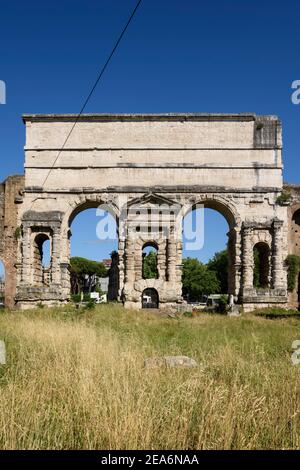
(104, 67)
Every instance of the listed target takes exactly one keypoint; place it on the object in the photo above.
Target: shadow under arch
(150, 244)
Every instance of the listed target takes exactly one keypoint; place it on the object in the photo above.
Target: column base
(32, 297)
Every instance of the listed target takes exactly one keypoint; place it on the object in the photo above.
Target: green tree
(83, 273)
(198, 280)
(293, 264)
(219, 264)
(150, 266)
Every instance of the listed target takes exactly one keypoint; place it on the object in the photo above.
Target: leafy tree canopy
(83, 266)
(150, 266)
(198, 280)
(219, 264)
(84, 272)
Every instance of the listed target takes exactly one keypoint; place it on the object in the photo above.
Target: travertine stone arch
(219, 203)
(78, 205)
(229, 211)
(140, 254)
(94, 201)
(160, 245)
(260, 238)
(40, 275)
(231, 163)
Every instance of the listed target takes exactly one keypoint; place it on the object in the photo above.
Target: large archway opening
(2, 284)
(208, 254)
(94, 263)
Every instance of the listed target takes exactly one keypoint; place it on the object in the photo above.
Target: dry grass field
(76, 380)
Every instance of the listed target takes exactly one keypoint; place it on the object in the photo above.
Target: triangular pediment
(154, 199)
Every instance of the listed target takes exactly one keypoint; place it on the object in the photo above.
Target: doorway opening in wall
(149, 268)
(2, 285)
(208, 257)
(150, 298)
(94, 263)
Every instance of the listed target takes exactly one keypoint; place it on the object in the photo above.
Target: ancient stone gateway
(136, 163)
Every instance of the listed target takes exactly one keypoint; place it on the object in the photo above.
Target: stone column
(138, 262)
(129, 261)
(26, 256)
(161, 260)
(172, 260)
(55, 257)
(65, 280)
(179, 265)
(121, 249)
(237, 262)
(247, 259)
(234, 262)
(277, 261)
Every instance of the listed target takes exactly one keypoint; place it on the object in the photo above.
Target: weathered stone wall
(2, 207)
(292, 192)
(183, 151)
(11, 195)
(231, 163)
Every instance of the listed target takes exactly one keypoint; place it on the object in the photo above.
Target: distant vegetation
(200, 279)
(150, 266)
(83, 273)
(293, 265)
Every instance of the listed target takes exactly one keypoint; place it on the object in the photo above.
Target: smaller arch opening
(149, 264)
(42, 259)
(150, 298)
(261, 271)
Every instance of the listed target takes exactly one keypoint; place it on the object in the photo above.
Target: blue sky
(84, 241)
(177, 56)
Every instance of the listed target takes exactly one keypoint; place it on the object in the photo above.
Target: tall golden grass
(77, 381)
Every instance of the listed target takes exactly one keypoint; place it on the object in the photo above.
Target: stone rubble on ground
(170, 361)
(2, 353)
